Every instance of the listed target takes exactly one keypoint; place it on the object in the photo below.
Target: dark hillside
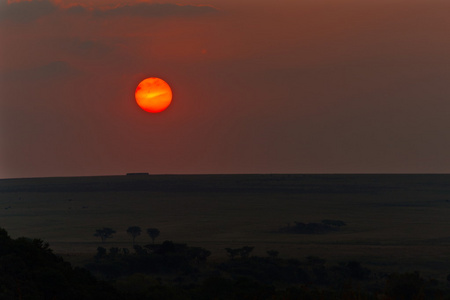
(275, 183)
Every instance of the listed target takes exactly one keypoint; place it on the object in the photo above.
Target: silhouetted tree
(272, 253)
(104, 233)
(355, 270)
(315, 260)
(114, 251)
(198, 254)
(243, 252)
(153, 233)
(139, 250)
(166, 247)
(134, 231)
(405, 286)
(101, 253)
(232, 253)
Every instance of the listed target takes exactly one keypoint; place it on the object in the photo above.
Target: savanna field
(395, 222)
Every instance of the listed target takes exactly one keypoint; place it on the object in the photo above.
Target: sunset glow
(153, 95)
(257, 86)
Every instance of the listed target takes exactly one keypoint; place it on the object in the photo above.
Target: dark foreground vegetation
(30, 270)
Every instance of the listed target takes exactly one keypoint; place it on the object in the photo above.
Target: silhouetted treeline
(29, 270)
(177, 271)
(166, 258)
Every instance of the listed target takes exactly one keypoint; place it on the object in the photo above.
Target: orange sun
(153, 95)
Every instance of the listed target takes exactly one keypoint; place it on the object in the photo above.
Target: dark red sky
(289, 86)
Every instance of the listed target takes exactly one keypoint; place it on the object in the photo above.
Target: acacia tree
(104, 233)
(153, 233)
(273, 253)
(243, 252)
(134, 231)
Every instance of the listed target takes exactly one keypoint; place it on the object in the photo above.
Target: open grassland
(394, 222)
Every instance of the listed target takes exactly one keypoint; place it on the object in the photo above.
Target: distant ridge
(264, 183)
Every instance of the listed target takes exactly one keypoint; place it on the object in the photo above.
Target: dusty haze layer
(259, 87)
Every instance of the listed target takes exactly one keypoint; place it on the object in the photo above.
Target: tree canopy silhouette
(134, 231)
(153, 233)
(104, 233)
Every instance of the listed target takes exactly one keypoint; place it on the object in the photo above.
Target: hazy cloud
(150, 10)
(26, 11)
(54, 69)
(32, 10)
(77, 9)
(81, 48)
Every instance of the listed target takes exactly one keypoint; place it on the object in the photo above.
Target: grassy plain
(394, 222)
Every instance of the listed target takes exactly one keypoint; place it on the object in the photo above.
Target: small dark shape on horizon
(325, 226)
(137, 174)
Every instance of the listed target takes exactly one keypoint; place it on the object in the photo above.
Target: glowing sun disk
(153, 95)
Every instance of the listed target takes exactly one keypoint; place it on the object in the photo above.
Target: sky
(287, 86)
